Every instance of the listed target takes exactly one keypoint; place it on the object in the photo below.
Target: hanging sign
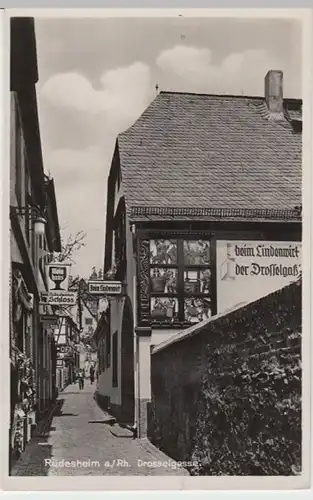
(58, 299)
(50, 320)
(57, 276)
(249, 270)
(105, 287)
(64, 349)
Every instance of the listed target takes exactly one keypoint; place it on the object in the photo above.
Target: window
(115, 360)
(88, 321)
(180, 281)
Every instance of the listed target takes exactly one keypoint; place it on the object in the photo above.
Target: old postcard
(157, 287)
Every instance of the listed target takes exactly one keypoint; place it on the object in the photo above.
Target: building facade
(217, 224)
(67, 341)
(32, 237)
(85, 314)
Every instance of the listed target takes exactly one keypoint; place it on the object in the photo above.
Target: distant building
(203, 212)
(85, 315)
(67, 340)
(34, 231)
(89, 318)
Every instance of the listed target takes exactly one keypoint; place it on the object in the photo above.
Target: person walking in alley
(81, 378)
(92, 374)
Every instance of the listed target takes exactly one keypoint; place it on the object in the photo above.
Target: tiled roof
(208, 151)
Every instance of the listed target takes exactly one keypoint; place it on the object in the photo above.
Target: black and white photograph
(156, 249)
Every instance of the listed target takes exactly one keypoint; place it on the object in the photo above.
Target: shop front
(66, 366)
(23, 380)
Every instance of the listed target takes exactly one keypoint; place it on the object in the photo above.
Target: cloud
(71, 90)
(192, 69)
(81, 186)
(71, 167)
(125, 93)
(81, 174)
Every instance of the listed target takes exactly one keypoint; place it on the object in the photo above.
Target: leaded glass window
(180, 281)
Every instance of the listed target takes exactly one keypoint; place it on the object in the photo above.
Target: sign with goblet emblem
(57, 274)
(57, 278)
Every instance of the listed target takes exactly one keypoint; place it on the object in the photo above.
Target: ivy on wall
(229, 398)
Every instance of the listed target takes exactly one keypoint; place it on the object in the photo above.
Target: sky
(96, 77)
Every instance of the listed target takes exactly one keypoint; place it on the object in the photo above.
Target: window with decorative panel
(175, 281)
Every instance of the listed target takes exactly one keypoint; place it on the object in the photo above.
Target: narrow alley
(79, 439)
(154, 253)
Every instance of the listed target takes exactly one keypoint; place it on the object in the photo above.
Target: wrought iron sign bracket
(33, 212)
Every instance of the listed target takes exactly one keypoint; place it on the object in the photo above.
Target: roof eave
(141, 213)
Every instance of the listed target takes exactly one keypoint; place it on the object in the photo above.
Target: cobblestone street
(81, 432)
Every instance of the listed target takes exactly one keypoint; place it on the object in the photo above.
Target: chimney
(274, 91)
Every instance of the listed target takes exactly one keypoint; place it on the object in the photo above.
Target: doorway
(127, 361)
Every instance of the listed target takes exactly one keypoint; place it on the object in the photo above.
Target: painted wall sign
(105, 287)
(57, 275)
(58, 299)
(249, 270)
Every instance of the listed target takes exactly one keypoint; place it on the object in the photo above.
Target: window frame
(148, 232)
(181, 266)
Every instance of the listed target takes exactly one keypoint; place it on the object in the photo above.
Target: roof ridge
(205, 94)
(225, 94)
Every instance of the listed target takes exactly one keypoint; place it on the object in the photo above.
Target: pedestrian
(92, 374)
(81, 378)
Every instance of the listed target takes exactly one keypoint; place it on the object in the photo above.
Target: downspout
(136, 372)
(136, 367)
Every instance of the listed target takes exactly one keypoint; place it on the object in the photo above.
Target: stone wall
(228, 394)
